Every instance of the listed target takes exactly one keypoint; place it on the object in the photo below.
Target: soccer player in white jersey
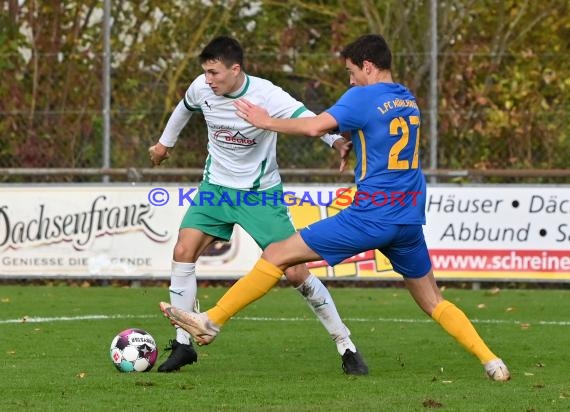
(241, 185)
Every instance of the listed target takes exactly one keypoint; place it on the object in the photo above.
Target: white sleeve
(327, 138)
(175, 124)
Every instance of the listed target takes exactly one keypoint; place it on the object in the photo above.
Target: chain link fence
(497, 111)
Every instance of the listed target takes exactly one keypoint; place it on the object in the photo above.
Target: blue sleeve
(348, 110)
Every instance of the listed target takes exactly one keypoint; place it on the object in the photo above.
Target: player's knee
(271, 253)
(296, 275)
(183, 253)
(274, 254)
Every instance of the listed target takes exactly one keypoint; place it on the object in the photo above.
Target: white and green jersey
(241, 156)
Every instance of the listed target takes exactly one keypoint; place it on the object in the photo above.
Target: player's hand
(158, 153)
(252, 113)
(343, 147)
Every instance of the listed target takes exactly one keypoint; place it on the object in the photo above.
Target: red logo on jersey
(233, 138)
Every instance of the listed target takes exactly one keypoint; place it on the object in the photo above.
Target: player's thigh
(344, 235)
(291, 253)
(408, 252)
(212, 216)
(265, 222)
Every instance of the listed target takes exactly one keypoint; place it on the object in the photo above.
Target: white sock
(183, 290)
(322, 304)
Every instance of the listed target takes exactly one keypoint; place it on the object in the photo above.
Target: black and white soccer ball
(134, 350)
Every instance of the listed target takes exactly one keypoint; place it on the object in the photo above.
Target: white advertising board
(494, 232)
(101, 231)
(108, 231)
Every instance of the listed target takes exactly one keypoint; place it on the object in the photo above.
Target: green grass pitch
(274, 356)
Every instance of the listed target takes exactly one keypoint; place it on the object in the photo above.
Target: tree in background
(503, 74)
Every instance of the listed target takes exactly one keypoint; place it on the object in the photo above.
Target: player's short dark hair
(370, 47)
(224, 49)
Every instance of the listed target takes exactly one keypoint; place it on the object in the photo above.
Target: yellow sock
(248, 289)
(454, 321)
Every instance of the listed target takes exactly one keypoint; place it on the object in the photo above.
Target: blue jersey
(384, 122)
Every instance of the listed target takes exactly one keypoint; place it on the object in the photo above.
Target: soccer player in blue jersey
(389, 207)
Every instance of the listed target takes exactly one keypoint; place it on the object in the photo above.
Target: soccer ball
(133, 350)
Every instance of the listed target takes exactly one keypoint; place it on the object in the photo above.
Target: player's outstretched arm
(309, 126)
(336, 141)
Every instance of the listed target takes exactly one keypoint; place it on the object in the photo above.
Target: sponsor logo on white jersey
(232, 137)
